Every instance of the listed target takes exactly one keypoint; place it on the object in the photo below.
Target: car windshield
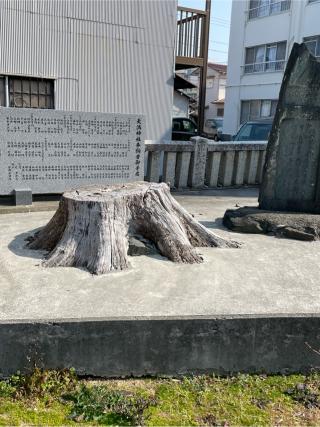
(188, 126)
(254, 132)
(210, 123)
(219, 122)
(214, 123)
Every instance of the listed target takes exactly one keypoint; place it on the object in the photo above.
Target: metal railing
(268, 9)
(263, 67)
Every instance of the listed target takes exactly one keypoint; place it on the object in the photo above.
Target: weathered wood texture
(91, 226)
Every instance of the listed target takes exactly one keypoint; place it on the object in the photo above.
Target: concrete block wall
(202, 162)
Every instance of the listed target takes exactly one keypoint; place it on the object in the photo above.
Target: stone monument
(51, 151)
(291, 177)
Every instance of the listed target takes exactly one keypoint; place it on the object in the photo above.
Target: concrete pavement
(267, 276)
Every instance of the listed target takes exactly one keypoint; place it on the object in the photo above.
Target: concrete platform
(248, 309)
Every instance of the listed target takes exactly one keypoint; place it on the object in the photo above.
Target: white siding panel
(105, 55)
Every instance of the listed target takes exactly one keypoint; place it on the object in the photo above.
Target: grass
(60, 398)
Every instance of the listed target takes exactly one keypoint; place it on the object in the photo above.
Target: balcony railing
(263, 67)
(268, 9)
(190, 33)
(192, 42)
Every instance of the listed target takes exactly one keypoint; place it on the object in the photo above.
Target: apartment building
(261, 37)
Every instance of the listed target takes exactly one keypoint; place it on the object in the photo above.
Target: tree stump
(91, 226)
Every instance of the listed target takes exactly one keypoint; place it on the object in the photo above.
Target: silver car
(254, 131)
(213, 128)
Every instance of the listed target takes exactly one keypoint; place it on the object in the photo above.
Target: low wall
(162, 346)
(202, 162)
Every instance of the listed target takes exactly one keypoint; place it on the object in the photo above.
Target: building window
(260, 8)
(313, 44)
(264, 58)
(210, 83)
(256, 109)
(220, 112)
(26, 92)
(2, 92)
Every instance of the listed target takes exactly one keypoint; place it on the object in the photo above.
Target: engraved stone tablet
(291, 179)
(51, 151)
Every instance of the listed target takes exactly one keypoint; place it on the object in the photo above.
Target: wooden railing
(200, 162)
(189, 37)
(192, 42)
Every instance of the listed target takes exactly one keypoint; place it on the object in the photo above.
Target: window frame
(266, 65)
(210, 82)
(249, 107)
(315, 39)
(23, 87)
(220, 112)
(266, 8)
(3, 91)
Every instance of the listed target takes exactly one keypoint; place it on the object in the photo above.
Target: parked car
(254, 131)
(213, 128)
(183, 129)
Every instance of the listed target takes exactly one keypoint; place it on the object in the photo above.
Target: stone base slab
(162, 346)
(253, 309)
(291, 225)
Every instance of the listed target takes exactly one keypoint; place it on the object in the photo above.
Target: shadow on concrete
(19, 246)
(217, 224)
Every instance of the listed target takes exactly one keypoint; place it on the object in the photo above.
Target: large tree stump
(91, 226)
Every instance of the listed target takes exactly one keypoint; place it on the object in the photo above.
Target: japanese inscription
(51, 151)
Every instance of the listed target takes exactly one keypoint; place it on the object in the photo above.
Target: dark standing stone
(291, 179)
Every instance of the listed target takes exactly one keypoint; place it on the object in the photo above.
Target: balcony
(267, 9)
(264, 67)
(191, 37)
(192, 41)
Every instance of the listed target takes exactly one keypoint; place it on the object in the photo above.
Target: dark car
(254, 131)
(183, 129)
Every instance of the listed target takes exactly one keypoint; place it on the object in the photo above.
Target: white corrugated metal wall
(105, 55)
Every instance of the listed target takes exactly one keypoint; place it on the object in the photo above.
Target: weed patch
(42, 384)
(107, 406)
(56, 398)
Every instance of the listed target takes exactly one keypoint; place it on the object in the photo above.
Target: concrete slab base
(254, 309)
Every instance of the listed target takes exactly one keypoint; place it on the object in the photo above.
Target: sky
(219, 27)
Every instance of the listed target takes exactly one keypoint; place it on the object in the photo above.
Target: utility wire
(219, 51)
(217, 42)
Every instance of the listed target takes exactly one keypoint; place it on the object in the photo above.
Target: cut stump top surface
(105, 193)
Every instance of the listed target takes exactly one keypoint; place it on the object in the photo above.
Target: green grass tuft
(57, 398)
